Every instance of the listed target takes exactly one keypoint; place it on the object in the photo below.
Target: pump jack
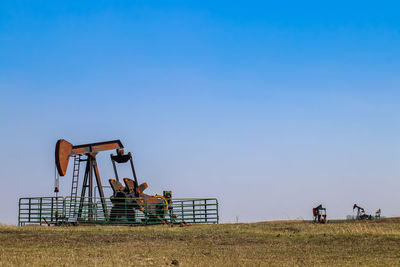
(320, 214)
(361, 213)
(65, 150)
(125, 199)
(127, 205)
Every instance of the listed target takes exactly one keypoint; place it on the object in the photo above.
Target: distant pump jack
(319, 214)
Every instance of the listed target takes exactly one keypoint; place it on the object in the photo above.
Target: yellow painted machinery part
(166, 202)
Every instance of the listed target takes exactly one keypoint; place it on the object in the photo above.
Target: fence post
(205, 208)
(126, 210)
(40, 211)
(64, 210)
(51, 212)
(29, 214)
(147, 212)
(216, 202)
(183, 214)
(194, 214)
(19, 212)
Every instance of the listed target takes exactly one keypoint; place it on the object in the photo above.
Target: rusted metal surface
(116, 186)
(97, 147)
(131, 196)
(129, 185)
(141, 188)
(320, 214)
(128, 204)
(128, 198)
(64, 150)
(62, 154)
(156, 206)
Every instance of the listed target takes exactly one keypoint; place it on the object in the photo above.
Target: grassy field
(258, 244)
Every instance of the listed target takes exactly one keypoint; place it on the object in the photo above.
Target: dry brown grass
(292, 243)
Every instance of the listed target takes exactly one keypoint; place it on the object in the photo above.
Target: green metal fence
(66, 210)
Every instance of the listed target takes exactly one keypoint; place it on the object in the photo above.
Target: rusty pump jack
(320, 214)
(126, 199)
(64, 150)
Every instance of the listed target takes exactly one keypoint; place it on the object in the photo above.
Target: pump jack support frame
(91, 167)
(120, 158)
(64, 150)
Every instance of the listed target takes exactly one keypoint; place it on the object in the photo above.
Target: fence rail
(67, 210)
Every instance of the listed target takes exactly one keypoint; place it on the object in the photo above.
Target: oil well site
(128, 205)
(89, 227)
(167, 231)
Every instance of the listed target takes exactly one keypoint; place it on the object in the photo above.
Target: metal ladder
(75, 184)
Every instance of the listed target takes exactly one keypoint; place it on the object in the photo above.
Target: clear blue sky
(272, 107)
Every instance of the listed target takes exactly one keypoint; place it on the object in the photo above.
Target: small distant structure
(320, 214)
(361, 215)
(378, 214)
